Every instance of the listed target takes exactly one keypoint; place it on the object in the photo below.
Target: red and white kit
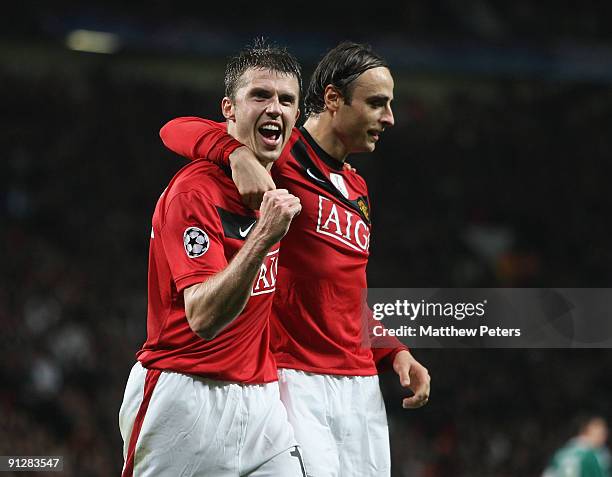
(195, 406)
(317, 317)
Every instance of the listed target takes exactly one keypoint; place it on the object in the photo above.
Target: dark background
(495, 175)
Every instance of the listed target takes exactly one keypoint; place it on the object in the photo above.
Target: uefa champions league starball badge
(196, 242)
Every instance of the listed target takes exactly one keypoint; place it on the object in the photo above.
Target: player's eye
(260, 95)
(286, 100)
(377, 103)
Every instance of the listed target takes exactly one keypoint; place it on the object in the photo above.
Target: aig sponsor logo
(342, 225)
(266, 280)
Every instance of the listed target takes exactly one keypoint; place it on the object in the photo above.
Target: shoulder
(357, 181)
(296, 136)
(358, 178)
(198, 183)
(200, 178)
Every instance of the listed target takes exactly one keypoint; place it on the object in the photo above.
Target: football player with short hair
(586, 454)
(203, 398)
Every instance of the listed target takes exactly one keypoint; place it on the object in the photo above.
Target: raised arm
(213, 304)
(196, 138)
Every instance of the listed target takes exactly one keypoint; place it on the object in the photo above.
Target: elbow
(207, 315)
(203, 326)
(207, 333)
(202, 315)
(201, 312)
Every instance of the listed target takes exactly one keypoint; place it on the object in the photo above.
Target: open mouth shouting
(375, 134)
(271, 133)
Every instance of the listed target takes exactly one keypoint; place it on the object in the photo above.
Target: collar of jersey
(326, 158)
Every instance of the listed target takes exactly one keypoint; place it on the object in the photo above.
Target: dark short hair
(260, 55)
(340, 67)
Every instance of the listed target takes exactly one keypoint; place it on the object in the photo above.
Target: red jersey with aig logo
(317, 321)
(199, 224)
(317, 317)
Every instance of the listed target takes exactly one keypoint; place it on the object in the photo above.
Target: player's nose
(274, 108)
(387, 118)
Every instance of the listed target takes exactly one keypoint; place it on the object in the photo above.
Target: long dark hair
(340, 67)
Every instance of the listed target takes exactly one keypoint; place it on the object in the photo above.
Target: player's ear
(227, 108)
(332, 98)
(297, 115)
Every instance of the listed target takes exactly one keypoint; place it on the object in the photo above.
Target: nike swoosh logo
(244, 233)
(313, 176)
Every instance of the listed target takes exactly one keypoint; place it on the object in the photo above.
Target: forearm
(213, 304)
(196, 138)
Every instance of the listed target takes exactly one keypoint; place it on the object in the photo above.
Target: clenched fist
(278, 208)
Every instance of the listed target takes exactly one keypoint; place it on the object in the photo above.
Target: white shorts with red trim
(175, 424)
(340, 423)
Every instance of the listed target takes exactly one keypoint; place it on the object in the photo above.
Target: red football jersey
(318, 313)
(198, 226)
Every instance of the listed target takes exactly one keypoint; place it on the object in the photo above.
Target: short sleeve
(192, 238)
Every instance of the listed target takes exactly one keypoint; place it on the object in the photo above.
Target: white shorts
(340, 423)
(175, 424)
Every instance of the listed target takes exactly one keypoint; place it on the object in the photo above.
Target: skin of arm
(251, 178)
(211, 305)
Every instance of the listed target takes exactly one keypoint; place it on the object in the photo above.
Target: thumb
(404, 376)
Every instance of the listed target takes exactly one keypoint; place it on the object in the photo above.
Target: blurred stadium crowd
(484, 182)
(495, 20)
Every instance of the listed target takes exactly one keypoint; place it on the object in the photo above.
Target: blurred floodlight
(93, 41)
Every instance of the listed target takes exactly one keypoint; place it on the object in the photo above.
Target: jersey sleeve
(192, 238)
(384, 348)
(196, 138)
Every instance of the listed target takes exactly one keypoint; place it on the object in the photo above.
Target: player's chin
(368, 142)
(369, 145)
(269, 155)
(268, 152)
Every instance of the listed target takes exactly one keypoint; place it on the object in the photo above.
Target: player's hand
(251, 178)
(414, 376)
(278, 208)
